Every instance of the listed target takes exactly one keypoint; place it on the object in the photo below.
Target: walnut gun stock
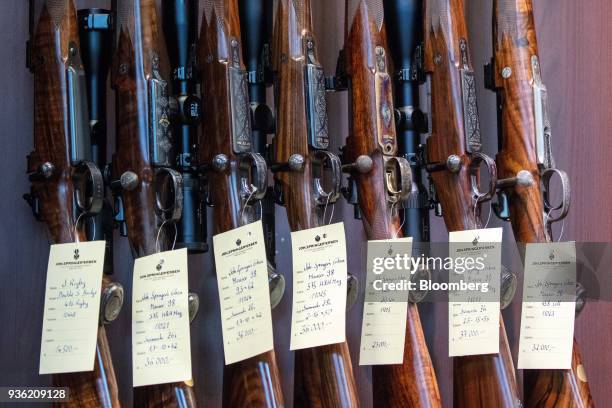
(237, 176)
(453, 155)
(67, 186)
(323, 375)
(525, 148)
(383, 181)
(149, 189)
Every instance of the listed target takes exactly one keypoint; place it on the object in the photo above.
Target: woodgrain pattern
(413, 383)
(485, 380)
(50, 49)
(137, 50)
(514, 39)
(254, 382)
(323, 375)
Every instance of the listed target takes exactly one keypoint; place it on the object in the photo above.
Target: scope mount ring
(321, 158)
(173, 212)
(88, 187)
(563, 206)
(476, 159)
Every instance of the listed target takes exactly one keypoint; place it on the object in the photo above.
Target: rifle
(383, 182)
(179, 21)
(323, 375)
(454, 159)
(525, 151)
(237, 176)
(67, 188)
(254, 25)
(148, 190)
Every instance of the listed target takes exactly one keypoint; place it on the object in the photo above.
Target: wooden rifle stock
(238, 176)
(372, 134)
(484, 380)
(323, 375)
(516, 55)
(53, 51)
(143, 154)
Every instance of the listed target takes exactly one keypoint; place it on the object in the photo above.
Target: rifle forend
(525, 148)
(323, 375)
(67, 187)
(454, 159)
(237, 176)
(150, 190)
(382, 187)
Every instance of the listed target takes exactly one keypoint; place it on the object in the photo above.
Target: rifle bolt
(296, 162)
(220, 162)
(523, 178)
(453, 163)
(362, 165)
(47, 169)
(129, 180)
(506, 72)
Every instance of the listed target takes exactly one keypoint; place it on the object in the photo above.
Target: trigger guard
(256, 189)
(323, 197)
(175, 211)
(565, 201)
(89, 205)
(405, 179)
(476, 159)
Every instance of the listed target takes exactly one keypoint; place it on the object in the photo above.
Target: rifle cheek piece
(111, 303)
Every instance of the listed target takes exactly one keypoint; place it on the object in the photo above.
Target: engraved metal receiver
(168, 183)
(85, 175)
(546, 163)
(473, 140)
(250, 175)
(543, 144)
